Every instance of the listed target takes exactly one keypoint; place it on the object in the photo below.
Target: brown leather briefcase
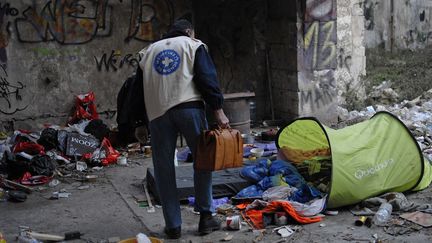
(219, 149)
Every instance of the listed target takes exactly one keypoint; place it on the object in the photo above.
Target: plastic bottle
(383, 214)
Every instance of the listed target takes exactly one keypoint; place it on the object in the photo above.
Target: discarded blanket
(255, 215)
(267, 174)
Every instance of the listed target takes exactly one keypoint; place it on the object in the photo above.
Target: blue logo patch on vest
(166, 62)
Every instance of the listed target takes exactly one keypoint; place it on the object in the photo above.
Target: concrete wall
(411, 27)
(297, 54)
(317, 56)
(318, 60)
(351, 57)
(303, 58)
(51, 50)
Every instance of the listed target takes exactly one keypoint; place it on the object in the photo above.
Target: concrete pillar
(303, 58)
(317, 59)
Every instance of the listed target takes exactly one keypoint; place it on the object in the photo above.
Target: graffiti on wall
(77, 22)
(319, 56)
(368, 10)
(10, 93)
(320, 45)
(320, 10)
(73, 22)
(115, 61)
(149, 19)
(321, 94)
(64, 21)
(420, 33)
(6, 10)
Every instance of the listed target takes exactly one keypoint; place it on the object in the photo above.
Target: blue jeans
(164, 130)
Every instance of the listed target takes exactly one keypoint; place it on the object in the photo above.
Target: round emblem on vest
(166, 62)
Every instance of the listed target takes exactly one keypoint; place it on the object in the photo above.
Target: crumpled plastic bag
(311, 208)
(48, 139)
(85, 108)
(29, 148)
(278, 193)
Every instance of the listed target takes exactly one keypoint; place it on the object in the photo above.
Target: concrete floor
(108, 209)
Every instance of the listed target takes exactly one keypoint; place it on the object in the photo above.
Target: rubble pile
(415, 114)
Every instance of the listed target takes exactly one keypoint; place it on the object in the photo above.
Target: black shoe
(173, 233)
(208, 224)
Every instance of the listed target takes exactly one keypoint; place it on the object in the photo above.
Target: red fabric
(85, 108)
(24, 131)
(87, 156)
(242, 206)
(29, 147)
(29, 180)
(255, 215)
(111, 153)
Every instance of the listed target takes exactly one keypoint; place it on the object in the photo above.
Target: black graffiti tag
(9, 92)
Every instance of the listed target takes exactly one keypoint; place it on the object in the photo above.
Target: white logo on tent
(359, 174)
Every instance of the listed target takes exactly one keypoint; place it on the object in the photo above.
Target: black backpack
(131, 111)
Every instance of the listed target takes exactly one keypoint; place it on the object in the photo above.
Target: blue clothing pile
(266, 174)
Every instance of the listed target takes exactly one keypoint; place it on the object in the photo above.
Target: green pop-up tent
(367, 159)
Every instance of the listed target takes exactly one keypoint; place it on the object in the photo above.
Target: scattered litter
(363, 220)
(81, 166)
(83, 187)
(143, 204)
(90, 178)
(228, 237)
(284, 231)
(331, 213)
(54, 183)
(233, 222)
(57, 195)
(140, 198)
(375, 236)
(16, 196)
(360, 221)
(151, 208)
(97, 168)
(225, 209)
(423, 219)
(122, 160)
(322, 225)
(142, 238)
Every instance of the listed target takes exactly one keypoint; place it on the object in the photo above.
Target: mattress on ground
(226, 183)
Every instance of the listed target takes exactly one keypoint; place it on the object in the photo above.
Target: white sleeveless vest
(168, 74)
